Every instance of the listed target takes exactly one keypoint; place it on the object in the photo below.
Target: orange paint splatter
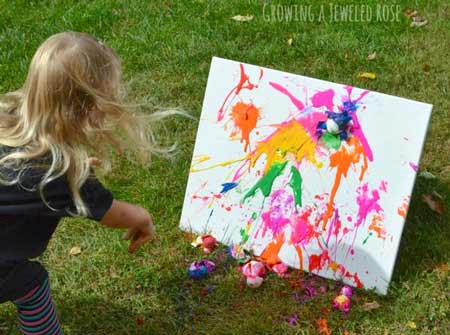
(342, 160)
(403, 209)
(322, 326)
(377, 226)
(270, 254)
(300, 256)
(245, 117)
(244, 83)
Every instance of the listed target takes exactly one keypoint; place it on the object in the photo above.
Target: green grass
(166, 47)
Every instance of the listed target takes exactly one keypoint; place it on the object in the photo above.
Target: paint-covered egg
(332, 127)
(280, 269)
(209, 243)
(253, 269)
(347, 291)
(342, 303)
(200, 269)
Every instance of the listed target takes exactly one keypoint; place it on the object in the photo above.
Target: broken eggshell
(254, 282)
(347, 291)
(237, 252)
(254, 271)
(280, 269)
(342, 303)
(207, 242)
(200, 269)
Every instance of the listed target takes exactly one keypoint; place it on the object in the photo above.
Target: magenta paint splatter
(413, 166)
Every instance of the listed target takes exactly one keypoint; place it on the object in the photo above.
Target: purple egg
(347, 291)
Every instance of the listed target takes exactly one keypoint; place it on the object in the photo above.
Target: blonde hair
(70, 107)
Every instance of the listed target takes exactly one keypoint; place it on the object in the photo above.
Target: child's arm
(134, 218)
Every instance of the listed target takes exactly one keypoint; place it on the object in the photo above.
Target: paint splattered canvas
(311, 173)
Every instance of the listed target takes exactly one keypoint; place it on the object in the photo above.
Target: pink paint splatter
(334, 226)
(367, 202)
(309, 122)
(300, 106)
(323, 98)
(277, 217)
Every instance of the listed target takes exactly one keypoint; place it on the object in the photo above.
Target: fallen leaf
(290, 41)
(367, 75)
(410, 13)
(140, 320)
(411, 324)
(437, 195)
(443, 268)
(243, 18)
(322, 326)
(372, 56)
(427, 175)
(369, 306)
(418, 21)
(434, 202)
(75, 251)
(426, 68)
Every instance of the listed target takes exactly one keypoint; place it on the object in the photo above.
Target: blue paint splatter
(227, 187)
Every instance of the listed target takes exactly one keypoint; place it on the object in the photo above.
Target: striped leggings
(36, 312)
(25, 283)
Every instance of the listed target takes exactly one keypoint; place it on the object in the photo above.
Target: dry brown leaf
(367, 75)
(426, 68)
(443, 268)
(76, 250)
(369, 306)
(418, 21)
(372, 56)
(243, 18)
(434, 201)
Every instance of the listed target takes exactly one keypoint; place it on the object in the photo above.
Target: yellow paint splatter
(291, 138)
(222, 164)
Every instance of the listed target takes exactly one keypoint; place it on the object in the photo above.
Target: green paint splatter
(266, 182)
(254, 216)
(331, 141)
(365, 241)
(296, 184)
(244, 235)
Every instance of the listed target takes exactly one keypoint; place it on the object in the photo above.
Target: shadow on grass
(426, 236)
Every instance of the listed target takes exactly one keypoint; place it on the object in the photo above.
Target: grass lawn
(166, 47)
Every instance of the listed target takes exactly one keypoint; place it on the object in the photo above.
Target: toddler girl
(68, 110)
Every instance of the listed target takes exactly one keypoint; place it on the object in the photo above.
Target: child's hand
(135, 219)
(139, 235)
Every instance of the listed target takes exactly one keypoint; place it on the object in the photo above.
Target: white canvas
(334, 194)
